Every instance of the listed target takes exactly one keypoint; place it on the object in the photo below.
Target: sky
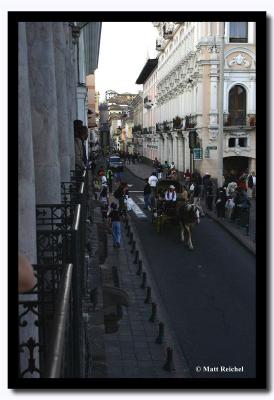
(124, 49)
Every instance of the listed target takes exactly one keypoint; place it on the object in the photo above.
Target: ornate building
(148, 77)
(188, 94)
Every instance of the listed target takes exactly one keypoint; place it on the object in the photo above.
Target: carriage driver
(170, 194)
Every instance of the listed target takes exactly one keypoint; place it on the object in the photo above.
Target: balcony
(51, 328)
(240, 118)
(190, 121)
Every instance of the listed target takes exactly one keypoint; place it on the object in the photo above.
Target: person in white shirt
(170, 194)
(152, 181)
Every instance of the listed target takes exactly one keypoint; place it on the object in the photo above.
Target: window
(231, 142)
(237, 105)
(242, 142)
(238, 32)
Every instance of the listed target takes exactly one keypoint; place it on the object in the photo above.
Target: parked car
(115, 163)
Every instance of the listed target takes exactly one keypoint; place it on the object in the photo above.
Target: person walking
(250, 185)
(109, 179)
(103, 198)
(220, 202)
(152, 180)
(115, 223)
(165, 169)
(209, 195)
(147, 192)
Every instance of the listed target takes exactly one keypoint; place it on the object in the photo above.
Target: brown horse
(189, 215)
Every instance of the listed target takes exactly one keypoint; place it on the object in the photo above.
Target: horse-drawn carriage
(166, 211)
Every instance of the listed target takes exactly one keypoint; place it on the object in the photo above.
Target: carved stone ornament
(239, 60)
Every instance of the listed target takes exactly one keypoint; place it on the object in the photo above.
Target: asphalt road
(209, 294)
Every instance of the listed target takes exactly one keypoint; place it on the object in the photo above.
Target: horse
(189, 215)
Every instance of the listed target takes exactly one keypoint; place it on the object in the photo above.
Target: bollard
(128, 231)
(130, 238)
(143, 285)
(160, 337)
(153, 312)
(148, 298)
(169, 366)
(140, 268)
(133, 247)
(136, 257)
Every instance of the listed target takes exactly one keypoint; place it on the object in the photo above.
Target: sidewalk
(131, 352)
(144, 171)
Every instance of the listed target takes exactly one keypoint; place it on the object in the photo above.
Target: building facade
(188, 94)
(54, 59)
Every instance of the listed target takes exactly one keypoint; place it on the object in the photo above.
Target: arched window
(237, 105)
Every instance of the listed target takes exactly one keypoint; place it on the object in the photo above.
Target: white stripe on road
(136, 191)
(136, 209)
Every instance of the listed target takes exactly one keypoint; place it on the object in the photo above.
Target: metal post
(130, 238)
(133, 246)
(221, 108)
(139, 271)
(143, 285)
(169, 366)
(159, 339)
(136, 257)
(148, 297)
(153, 312)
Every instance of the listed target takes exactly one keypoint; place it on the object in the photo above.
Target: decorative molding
(239, 60)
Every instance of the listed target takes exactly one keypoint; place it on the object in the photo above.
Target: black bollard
(169, 366)
(153, 312)
(133, 246)
(148, 298)
(143, 285)
(128, 231)
(130, 238)
(160, 337)
(136, 257)
(140, 268)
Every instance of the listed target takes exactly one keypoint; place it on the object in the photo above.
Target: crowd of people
(232, 200)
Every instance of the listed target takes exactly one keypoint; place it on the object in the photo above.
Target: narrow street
(209, 294)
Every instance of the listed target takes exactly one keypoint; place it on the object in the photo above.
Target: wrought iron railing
(39, 308)
(53, 345)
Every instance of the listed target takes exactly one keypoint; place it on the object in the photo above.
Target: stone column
(174, 150)
(44, 111)
(26, 175)
(62, 95)
(71, 90)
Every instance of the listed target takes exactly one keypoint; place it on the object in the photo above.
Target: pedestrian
(254, 185)
(250, 185)
(209, 195)
(109, 179)
(101, 171)
(120, 194)
(160, 170)
(165, 169)
(103, 198)
(93, 166)
(220, 202)
(172, 165)
(147, 192)
(191, 192)
(229, 205)
(152, 180)
(187, 176)
(115, 222)
(242, 181)
(205, 180)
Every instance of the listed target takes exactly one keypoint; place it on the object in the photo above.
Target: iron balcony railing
(51, 329)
